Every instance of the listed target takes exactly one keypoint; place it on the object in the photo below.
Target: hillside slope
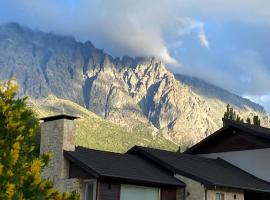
(93, 131)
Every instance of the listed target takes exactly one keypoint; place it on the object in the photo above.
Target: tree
(227, 113)
(238, 118)
(230, 114)
(179, 150)
(256, 121)
(20, 166)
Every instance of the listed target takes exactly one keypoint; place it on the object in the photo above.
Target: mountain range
(129, 92)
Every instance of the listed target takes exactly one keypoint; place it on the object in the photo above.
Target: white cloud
(121, 27)
(253, 74)
(249, 11)
(185, 25)
(263, 100)
(203, 39)
(142, 28)
(135, 27)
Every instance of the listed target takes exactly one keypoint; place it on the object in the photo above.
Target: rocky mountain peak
(127, 91)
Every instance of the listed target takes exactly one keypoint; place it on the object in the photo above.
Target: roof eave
(81, 164)
(143, 182)
(241, 188)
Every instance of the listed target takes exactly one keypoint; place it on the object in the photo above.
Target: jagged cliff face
(126, 91)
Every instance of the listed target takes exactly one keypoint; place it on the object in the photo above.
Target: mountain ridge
(208, 89)
(127, 91)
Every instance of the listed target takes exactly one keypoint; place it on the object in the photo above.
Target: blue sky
(225, 42)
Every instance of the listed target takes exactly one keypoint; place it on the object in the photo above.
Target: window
(90, 190)
(132, 192)
(219, 196)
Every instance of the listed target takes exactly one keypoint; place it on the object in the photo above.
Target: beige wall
(228, 194)
(180, 194)
(197, 191)
(194, 190)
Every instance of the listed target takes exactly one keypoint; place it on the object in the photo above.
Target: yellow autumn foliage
(15, 152)
(1, 169)
(10, 190)
(20, 163)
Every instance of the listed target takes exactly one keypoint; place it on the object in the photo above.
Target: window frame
(220, 196)
(86, 183)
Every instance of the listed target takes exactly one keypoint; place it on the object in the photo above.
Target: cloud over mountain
(202, 37)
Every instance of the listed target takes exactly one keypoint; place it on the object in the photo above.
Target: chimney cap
(57, 117)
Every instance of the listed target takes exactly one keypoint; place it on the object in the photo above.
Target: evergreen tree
(20, 166)
(179, 150)
(238, 118)
(256, 121)
(227, 113)
(233, 114)
(230, 114)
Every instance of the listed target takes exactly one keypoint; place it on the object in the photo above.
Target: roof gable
(234, 136)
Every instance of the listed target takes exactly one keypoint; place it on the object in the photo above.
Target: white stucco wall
(255, 162)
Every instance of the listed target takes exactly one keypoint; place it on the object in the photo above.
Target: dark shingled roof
(57, 117)
(210, 172)
(123, 167)
(258, 131)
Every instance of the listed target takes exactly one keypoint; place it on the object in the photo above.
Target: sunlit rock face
(125, 91)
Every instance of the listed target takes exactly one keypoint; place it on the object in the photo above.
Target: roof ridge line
(104, 151)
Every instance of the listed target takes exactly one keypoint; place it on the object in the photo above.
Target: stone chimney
(57, 135)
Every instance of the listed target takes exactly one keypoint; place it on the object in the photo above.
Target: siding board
(77, 172)
(168, 194)
(108, 191)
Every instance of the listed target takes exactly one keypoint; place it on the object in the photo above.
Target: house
(102, 175)
(210, 170)
(245, 146)
(206, 178)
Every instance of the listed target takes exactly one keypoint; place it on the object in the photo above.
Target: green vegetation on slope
(97, 133)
